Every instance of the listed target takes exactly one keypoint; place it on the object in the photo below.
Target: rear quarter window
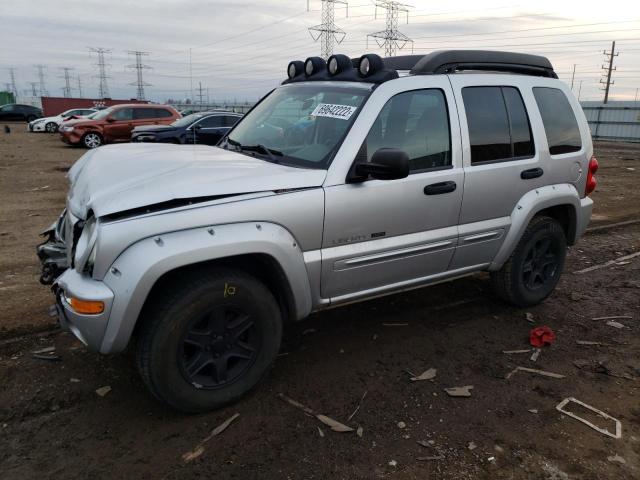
(560, 124)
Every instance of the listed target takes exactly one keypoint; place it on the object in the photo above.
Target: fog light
(86, 307)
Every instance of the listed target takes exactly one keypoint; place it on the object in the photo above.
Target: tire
(51, 127)
(183, 347)
(92, 140)
(534, 268)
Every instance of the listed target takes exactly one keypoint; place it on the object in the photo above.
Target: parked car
(325, 193)
(51, 124)
(206, 127)
(115, 124)
(17, 112)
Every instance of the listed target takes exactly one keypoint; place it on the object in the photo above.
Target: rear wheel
(208, 339)
(533, 270)
(92, 140)
(51, 127)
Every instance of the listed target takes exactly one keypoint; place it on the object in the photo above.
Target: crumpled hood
(116, 178)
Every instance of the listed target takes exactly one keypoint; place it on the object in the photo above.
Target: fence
(614, 120)
(198, 107)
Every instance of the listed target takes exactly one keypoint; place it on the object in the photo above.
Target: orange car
(114, 124)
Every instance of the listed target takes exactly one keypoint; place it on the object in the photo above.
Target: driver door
(383, 235)
(120, 128)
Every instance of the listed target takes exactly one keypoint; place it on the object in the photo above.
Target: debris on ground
(424, 443)
(529, 317)
(604, 431)
(426, 375)
(320, 432)
(50, 357)
(510, 352)
(44, 350)
(395, 324)
(328, 421)
(74, 380)
(472, 446)
(533, 410)
(358, 406)
(199, 450)
(533, 370)
(102, 391)
(614, 324)
(393, 463)
(541, 336)
(308, 331)
(459, 391)
(617, 459)
(607, 264)
(588, 342)
(402, 425)
(359, 431)
(612, 317)
(535, 355)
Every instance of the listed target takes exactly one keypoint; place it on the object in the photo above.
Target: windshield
(102, 114)
(303, 125)
(188, 120)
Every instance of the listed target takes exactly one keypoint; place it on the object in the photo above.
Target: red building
(54, 105)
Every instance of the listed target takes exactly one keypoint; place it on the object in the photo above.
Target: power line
(79, 87)
(139, 66)
(41, 86)
(327, 32)
(609, 56)
(392, 38)
(103, 88)
(66, 90)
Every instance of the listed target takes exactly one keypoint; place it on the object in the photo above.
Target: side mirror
(111, 119)
(386, 164)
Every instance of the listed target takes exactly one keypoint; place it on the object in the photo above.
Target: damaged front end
(53, 252)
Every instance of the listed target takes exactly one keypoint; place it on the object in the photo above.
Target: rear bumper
(583, 217)
(89, 329)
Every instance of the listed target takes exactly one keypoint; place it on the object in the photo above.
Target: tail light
(591, 176)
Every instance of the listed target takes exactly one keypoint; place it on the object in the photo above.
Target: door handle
(531, 173)
(440, 188)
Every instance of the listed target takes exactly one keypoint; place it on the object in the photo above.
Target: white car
(51, 124)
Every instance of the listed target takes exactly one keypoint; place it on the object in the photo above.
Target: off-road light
(369, 64)
(338, 63)
(295, 68)
(314, 65)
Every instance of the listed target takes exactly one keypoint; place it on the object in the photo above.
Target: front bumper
(53, 252)
(89, 329)
(37, 127)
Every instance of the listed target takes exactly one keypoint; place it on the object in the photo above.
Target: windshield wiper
(260, 146)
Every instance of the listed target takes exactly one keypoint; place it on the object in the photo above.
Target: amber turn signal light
(86, 307)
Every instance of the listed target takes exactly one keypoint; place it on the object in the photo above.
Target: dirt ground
(54, 425)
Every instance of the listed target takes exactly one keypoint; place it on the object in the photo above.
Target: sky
(239, 50)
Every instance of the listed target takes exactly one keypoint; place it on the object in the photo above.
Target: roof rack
(451, 61)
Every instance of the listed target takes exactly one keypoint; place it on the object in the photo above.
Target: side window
(499, 128)
(560, 124)
(229, 121)
(145, 113)
(123, 114)
(211, 122)
(162, 113)
(416, 122)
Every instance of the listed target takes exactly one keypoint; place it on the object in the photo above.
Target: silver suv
(356, 178)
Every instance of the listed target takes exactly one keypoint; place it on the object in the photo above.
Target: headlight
(86, 244)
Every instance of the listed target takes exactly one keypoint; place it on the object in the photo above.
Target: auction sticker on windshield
(331, 110)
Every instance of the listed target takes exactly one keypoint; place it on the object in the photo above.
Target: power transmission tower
(41, 85)
(34, 90)
(12, 75)
(573, 76)
(200, 94)
(609, 69)
(103, 88)
(66, 90)
(139, 66)
(327, 32)
(391, 38)
(79, 87)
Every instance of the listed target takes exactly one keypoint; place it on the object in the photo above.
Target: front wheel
(207, 340)
(533, 270)
(51, 127)
(92, 140)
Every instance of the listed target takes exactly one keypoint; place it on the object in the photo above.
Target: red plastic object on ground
(541, 336)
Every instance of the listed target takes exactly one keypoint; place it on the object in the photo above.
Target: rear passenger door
(209, 130)
(501, 162)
